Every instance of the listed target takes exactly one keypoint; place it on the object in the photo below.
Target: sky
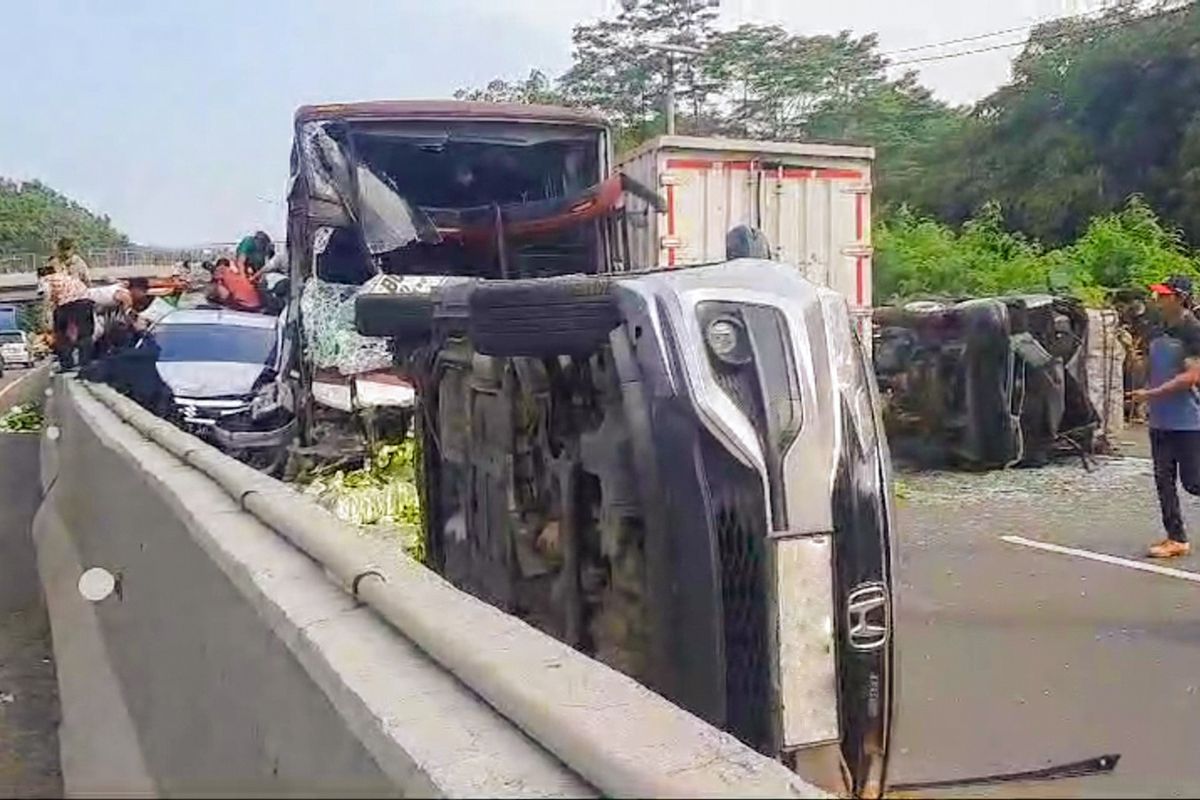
(174, 117)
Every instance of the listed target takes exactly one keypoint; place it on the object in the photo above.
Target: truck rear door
(816, 217)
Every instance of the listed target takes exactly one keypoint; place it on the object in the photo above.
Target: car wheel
(543, 317)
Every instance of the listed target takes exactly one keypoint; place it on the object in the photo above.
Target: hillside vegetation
(33, 217)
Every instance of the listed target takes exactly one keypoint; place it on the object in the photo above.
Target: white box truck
(812, 202)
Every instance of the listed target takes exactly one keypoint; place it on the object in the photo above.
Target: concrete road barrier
(256, 644)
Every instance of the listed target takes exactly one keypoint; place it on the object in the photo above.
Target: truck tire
(542, 318)
(407, 318)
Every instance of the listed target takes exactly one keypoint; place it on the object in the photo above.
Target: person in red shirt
(234, 286)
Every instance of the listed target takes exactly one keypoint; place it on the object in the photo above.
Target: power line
(1062, 35)
(963, 39)
(960, 54)
(989, 35)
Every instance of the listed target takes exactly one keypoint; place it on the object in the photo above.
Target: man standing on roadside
(73, 315)
(1173, 394)
(66, 260)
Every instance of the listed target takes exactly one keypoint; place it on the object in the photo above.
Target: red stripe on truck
(692, 163)
(671, 223)
(860, 214)
(788, 172)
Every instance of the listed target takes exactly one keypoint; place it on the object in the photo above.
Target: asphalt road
(9, 377)
(1013, 658)
(29, 765)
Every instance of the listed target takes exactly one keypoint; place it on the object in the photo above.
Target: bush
(918, 256)
(1128, 248)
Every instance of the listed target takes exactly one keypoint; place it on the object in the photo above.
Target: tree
(778, 85)
(535, 88)
(33, 217)
(615, 73)
(1098, 110)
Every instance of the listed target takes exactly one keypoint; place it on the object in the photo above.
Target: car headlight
(728, 341)
(752, 361)
(265, 402)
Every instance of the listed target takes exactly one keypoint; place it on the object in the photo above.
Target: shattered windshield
(462, 199)
(462, 173)
(235, 344)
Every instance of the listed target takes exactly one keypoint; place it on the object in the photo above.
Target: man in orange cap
(1173, 395)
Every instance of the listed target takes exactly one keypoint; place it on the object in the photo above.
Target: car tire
(403, 317)
(543, 318)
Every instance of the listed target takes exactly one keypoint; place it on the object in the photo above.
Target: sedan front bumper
(254, 440)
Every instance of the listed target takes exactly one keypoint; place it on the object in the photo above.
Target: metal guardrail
(122, 256)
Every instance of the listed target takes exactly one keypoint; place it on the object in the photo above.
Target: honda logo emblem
(868, 617)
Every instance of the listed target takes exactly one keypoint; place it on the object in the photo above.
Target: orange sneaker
(1169, 548)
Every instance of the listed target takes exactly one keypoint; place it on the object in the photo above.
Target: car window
(11, 337)
(228, 343)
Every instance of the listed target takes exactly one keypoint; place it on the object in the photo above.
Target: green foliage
(614, 72)
(1099, 109)
(1130, 247)
(25, 418)
(33, 217)
(536, 88)
(919, 256)
(754, 81)
(382, 492)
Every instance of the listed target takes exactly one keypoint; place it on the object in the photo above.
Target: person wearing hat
(1173, 395)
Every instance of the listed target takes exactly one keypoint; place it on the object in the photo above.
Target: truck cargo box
(812, 201)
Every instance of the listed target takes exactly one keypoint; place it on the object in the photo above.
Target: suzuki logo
(868, 617)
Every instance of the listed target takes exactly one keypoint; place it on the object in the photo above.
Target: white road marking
(19, 381)
(1104, 558)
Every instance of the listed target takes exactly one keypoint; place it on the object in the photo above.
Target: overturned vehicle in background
(681, 473)
(995, 382)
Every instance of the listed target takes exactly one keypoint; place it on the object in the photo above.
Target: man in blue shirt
(1173, 394)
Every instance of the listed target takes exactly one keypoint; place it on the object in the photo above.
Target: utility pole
(669, 99)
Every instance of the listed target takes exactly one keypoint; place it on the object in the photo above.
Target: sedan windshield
(228, 343)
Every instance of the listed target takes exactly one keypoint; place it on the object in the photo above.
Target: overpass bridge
(249, 643)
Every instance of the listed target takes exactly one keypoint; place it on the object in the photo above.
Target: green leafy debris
(381, 494)
(25, 418)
